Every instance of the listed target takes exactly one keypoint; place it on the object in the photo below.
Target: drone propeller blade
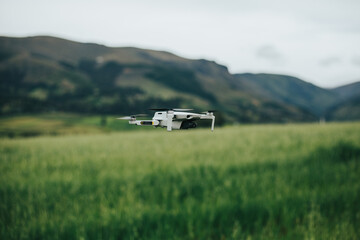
(159, 109)
(183, 109)
(171, 109)
(132, 117)
(125, 118)
(210, 111)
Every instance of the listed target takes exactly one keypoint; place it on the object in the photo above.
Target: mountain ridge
(290, 89)
(44, 73)
(348, 90)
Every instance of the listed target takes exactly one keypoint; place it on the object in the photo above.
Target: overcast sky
(316, 40)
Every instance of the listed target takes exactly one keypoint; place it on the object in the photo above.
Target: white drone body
(172, 119)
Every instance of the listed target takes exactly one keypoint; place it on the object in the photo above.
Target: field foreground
(246, 182)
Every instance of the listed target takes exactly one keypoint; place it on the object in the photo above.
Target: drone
(174, 118)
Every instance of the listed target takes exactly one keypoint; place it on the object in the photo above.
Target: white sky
(316, 40)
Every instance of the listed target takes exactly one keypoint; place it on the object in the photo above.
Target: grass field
(55, 124)
(243, 182)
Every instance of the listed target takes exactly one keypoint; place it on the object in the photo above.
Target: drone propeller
(183, 109)
(125, 118)
(210, 111)
(132, 116)
(159, 109)
(171, 109)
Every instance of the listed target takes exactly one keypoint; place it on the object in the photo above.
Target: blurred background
(282, 163)
(257, 62)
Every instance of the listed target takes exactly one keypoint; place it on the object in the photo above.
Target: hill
(348, 106)
(348, 110)
(46, 74)
(348, 91)
(290, 90)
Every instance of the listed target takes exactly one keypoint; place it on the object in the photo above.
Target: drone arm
(212, 123)
(170, 116)
(209, 116)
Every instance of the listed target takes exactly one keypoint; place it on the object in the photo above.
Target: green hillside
(47, 74)
(348, 107)
(348, 91)
(42, 74)
(290, 90)
(348, 110)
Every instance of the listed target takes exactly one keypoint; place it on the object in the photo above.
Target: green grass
(60, 124)
(245, 182)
